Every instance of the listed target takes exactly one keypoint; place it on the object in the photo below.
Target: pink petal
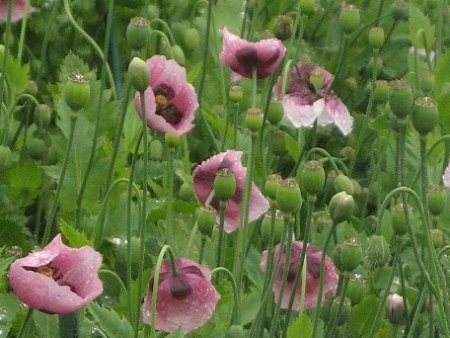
(446, 177)
(339, 114)
(17, 11)
(77, 281)
(301, 113)
(186, 102)
(166, 72)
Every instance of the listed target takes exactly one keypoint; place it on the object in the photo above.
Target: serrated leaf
(9, 307)
(45, 325)
(5, 263)
(24, 183)
(363, 316)
(74, 237)
(16, 74)
(110, 322)
(418, 20)
(301, 328)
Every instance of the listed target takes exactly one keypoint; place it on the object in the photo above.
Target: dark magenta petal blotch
(18, 10)
(170, 101)
(204, 176)
(187, 300)
(242, 56)
(313, 258)
(58, 279)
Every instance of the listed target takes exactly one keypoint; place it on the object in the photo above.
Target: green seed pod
(344, 315)
(307, 6)
(275, 113)
(172, 140)
(278, 142)
(77, 92)
(289, 197)
(186, 191)
(42, 115)
(437, 199)
(349, 19)
(356, 289)
(138, 33)
(178, 55)
(236, 94)
(437, 238)
(139, 74)
(150, 12)
(282, 28)
(272, 184)
(378, 253)
(225, 184)
(342, 206)
(155, 150)
(398, 219)
(5, 158)
(427, 81)
(395, 309)
(399, 10)
(425, 115)
(344, 183)
(192, 38)
(356, 188)
(206, 219)
(37, 149)
(277, 230)
(400, 98)
(254, 119)
(376, 37)
(381, 92)
(351, 255)
(312, 177)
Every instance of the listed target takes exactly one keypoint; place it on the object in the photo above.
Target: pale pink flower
(170, 101)
(204, 176)
(58, 279)
(186, 300)
(17, 10)
(303, 105)
(446, 177)
(313, 257)
(242, 56)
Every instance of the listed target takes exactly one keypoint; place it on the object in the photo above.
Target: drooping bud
(395, 309)
(399, 10)
(139, 74)
(437, 238)
(344, 183)
(254, 119)
(278, 142)
(155, 151)
(271, 186)
(398, 219)
(378, 253)
(206, 219)
(37, 149)
(341, 207)
(277, 230)
(289, 197)
(400, 98)
(356, 289)
(275, 112)
(186, 191)
(312, 177)
(351, 83)
(376, 37)
(42, 115)
(225, 184)
(349, 19)
(236, 94)
(351, 255)
(192, 38)
(307, 6)
(425, 115)
(437, 199)
(138, 33)
(282, 28)
(77, 92)
(178, 55)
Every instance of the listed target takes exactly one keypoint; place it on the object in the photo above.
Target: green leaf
(5, 262)
(45, 325)
(16, 74)
(178, 333)
(363, 316)
(300, 328)
(75, 238)
(24, 183)
(442, 90)
(110, 322)
(418, 20)
(9, 307)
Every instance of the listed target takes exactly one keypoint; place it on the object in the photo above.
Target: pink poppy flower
(303, 105)
(17, 11)
(241, 55)
(446, 177)
(170, 101)
(58, 279)
(313, 257)
(186, 300)
(204, 176)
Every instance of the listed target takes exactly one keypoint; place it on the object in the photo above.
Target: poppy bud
(349, 18)
(350, 255)
(155, 150)
(344, 183)
(395, 309)
(277, 230)
(77, 92)
(37, 149)
(282, 29)
(138, 33)
(225, 184)
(381, 91)
(398, 219)
(351, 83)
(312, 177)
(307, 6)
(427, 81)
(341, 207)
(437, 238)
(206, 219)
(272, 184)
(356, 289)
(42, 115)
(254, 119)
(236, 94)
(376, 37)
(186, 191)
(289, 197)
(139, 74)
(278, 143)
(192, 38)
(5, 158)
(275, 112)
(437, 199)
(171, 140)
(399, 10)
(150, 12)
(31, 88)
(400, 98)
(425, 115)
(178, 55)
(378, 253)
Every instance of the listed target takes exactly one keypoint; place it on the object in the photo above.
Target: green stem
(54, 207)
(403, 285)
(416, 314)
(170, 212)
(340, 63)
(99, 110)
(167, 29)
(321, 283)
(255, 86)
(25, 322)
(220, 247)
(235, 316)
(6, 52)
(115, 276)
(335, 316)
(202, 249)
(92, 42)
(69, 325)
(269, 266)
(23, 30)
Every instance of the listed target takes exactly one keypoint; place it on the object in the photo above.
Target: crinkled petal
(166, 72)
(17, 11)
(156, 122)
(339, 113)
(446, 177)
(186, 102)
(307, 69)
(299, 112)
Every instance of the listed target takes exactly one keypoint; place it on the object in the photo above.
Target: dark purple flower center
(51, 272)
(248, 57)
(163, 96)
(180, 287)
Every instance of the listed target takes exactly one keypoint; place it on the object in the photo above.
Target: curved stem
(235, 316)
(115, 276)
(168, 30)
(93, 44)
(327, 155)
(23, 29)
